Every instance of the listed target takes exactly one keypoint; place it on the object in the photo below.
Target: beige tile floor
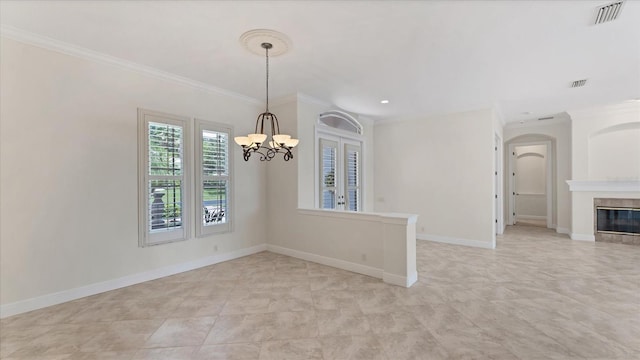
(539, 295)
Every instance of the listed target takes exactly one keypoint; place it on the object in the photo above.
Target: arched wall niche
(614, 153)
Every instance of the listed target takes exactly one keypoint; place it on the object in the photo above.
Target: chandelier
(257, 142)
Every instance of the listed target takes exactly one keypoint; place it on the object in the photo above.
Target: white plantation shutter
(352, 177)
(328, 176)
(213, 176)
(163, 191)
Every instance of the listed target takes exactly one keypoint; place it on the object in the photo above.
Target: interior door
(340, 173)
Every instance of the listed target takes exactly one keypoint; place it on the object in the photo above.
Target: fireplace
(617, 220)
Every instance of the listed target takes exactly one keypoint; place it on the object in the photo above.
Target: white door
(340, 174)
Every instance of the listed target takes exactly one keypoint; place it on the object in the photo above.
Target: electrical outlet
(363, 257)
(422, 229)
(215, 247)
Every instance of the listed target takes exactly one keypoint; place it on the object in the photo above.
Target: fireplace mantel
(598, 186)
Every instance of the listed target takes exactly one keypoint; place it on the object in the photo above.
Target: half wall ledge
(381, 244)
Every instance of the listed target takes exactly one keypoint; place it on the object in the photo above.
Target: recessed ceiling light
(384, 101)
(526, 113)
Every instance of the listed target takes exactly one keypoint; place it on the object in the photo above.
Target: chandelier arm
(277, 127)
(263, 156)
(273, 127)
(246, 153)
(288, 155)
(261, 126)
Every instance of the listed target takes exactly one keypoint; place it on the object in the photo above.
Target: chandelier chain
(267, 51)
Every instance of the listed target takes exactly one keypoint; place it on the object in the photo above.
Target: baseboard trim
(530, 217)
(324, 260)
(43, 301)
(561, 230)
(456, 241)
(583, 237)
(400, 280)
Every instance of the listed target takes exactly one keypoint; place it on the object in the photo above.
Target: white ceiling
(426, 57)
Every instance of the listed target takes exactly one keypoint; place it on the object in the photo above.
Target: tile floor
(539, 295)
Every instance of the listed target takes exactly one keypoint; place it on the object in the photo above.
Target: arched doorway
(530, 189)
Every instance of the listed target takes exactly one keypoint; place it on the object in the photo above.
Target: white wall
(559, 133)
(440, 168)
(606, 148)
(69, 172)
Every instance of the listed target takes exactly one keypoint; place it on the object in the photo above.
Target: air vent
(546, 118)
(578, 83)
(608, 12)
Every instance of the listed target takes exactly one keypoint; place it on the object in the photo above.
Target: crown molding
(622, 108)
(48, 43)
(537, 123)
(313, 100)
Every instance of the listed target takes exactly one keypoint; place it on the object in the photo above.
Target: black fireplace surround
(618, 220)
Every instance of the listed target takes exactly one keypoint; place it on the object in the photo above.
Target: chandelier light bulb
(281, 138)
(242, 140)
(291, 143)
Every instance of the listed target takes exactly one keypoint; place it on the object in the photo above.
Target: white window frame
(146, 237)
(201, 229)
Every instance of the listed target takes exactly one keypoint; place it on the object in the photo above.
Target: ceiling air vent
(545, 118)
(608, 12)
(578, 83)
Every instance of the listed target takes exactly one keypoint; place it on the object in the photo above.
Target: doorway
(530, 184)
(339, 173)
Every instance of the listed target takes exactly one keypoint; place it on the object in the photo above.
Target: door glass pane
(328, 163)
(328, 199)
(352, 199)
(352, 178)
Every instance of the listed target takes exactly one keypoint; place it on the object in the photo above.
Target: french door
(340, 173)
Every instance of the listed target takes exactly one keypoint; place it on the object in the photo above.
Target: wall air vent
(578, 83)
(545, 118)
(608, 12)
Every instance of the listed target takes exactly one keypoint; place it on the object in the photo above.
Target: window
(164, 186)
(167, 178)
(213, 185)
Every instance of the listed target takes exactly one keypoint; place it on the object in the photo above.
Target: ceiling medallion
(252, 40)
